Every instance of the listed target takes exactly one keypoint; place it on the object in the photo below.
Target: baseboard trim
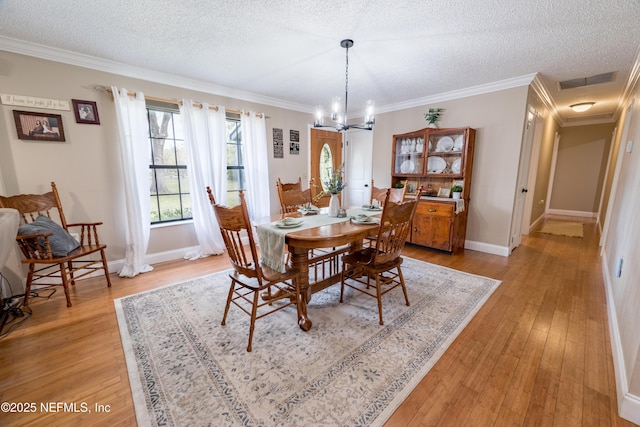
(628, 404)
(487, 247)
(581, 214)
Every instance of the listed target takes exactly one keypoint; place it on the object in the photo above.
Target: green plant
(433, 115)
(400, 184)
(335, 184)
(456, 189)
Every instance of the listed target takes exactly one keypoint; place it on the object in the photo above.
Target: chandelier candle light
(337, 114)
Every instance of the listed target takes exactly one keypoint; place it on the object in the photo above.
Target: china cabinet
(436, 159)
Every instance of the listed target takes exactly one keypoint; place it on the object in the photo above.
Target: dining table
(312, 247)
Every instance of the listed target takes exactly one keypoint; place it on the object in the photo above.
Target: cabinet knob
(431, 210)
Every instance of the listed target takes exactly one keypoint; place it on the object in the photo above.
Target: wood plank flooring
(537, 353)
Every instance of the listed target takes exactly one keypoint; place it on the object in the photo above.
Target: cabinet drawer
(435, 209)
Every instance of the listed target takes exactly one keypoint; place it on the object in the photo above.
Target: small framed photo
(412, 187)
(444, 192)
(38, 126)
(86, 112)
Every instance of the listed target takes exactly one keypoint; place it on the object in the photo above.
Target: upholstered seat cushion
(61, 241)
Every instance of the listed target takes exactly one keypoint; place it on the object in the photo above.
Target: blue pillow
(61, 242)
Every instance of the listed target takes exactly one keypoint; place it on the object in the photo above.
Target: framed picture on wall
(38, 126)
(444, 192)
(86, 112)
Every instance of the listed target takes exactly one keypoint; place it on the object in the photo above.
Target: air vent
(587, 81)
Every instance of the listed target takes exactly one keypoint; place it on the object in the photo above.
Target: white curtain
(205, 143)
(256, 164)
(133, 138)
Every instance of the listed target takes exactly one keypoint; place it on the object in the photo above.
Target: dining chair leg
(65, 282)
(379, 297)
(342, 281)
(254, 313)
(404, 288)
(27, 290)
(229, 298)
(106, 268)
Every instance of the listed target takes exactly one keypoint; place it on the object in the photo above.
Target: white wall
(86, 167)
(498, 118)
(623, 293)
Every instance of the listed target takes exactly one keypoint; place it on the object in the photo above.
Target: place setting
(289, 222)
(365, 220)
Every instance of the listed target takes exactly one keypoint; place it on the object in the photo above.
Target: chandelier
(338, 115)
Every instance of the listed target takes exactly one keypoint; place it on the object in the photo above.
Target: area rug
(186, 369)
(562, 228)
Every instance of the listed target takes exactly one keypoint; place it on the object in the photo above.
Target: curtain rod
(179, 102)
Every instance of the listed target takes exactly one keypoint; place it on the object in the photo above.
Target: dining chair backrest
(292, 195)
(395, 225)
(288, 186)
(396, 195)
(235, 226)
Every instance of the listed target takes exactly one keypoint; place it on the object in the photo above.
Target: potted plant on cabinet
(432, 116)
(456, 191)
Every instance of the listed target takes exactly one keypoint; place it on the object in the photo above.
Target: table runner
(271, 239)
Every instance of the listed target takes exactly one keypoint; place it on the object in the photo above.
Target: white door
(533, 171)
(523, 177)
(358, 149)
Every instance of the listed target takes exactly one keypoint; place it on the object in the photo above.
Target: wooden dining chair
(382, 261)
(49, 250)
(380, 194)
(255, 289)
(292, 196)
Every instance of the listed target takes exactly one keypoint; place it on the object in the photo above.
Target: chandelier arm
(341, 122)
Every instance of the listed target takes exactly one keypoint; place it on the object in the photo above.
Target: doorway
(325, 153)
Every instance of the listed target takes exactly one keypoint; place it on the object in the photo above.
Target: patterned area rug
(186, 369)
(562, 228)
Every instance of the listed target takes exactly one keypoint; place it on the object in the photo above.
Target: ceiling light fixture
(581, 107)
(337, 114)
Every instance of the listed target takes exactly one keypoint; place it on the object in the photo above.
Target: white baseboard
(536, 223)
(486, 247)
(628, 404)
(572, 213)
(115, 266)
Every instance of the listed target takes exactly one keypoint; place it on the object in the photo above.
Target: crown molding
(87, 61)
(460, 93)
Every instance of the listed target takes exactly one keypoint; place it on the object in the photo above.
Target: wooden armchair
(292, 196)
(380, 194)
(50, 247)
(249, 278)
(382, 261)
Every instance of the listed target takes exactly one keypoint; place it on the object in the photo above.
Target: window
(235, 163)
(168, 175)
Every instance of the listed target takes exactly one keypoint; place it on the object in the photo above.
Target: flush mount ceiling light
(581, 107)
(338, 115)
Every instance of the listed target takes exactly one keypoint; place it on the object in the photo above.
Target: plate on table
(457, 144)
(407, 166)
(436, 164)
(445, 144)
(309, 211)
(289, 223)
(371, 208)
(455, 166)
(366, 220)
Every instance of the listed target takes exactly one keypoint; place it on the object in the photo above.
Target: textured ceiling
(287, 52)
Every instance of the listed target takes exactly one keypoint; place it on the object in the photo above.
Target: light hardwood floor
(537, 353)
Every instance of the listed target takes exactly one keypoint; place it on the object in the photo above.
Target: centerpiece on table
(334, 185)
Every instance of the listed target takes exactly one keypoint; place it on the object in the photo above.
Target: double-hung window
(235, 163)
(168, 174)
